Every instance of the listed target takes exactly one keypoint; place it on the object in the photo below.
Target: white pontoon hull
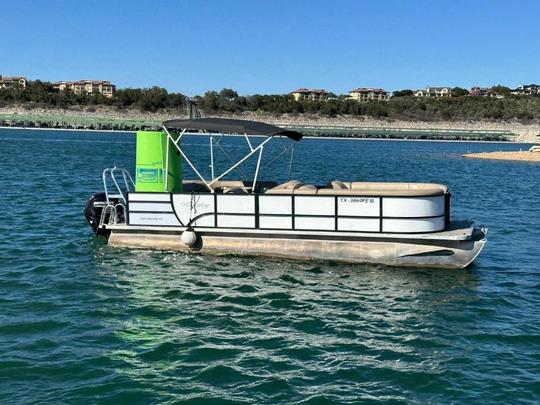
(437, 250)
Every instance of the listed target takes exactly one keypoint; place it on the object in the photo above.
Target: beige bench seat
(336, 187)
(384, 189)
(362, 189)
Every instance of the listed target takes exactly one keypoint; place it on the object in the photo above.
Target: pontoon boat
(396, 224)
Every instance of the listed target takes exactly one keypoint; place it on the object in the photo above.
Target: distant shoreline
(338, 138)
(74, 130)
(339, 127)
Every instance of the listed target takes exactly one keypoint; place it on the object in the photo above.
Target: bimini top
(230, 126)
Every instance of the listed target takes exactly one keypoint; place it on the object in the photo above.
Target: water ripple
(83, 322)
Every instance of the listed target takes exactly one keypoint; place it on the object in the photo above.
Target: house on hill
(435, 92)
(7, 82)
(87, 87)
(310, 94)
(484, 92)
(364, 94)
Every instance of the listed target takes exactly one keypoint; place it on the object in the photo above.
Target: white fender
(188, 238)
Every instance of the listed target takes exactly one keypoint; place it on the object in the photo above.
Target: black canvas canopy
(230, 126)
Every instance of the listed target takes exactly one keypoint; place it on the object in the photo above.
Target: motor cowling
(93, 210)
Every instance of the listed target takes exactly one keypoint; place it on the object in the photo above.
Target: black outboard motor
(93, 209)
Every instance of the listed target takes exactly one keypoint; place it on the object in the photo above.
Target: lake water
(81, 322)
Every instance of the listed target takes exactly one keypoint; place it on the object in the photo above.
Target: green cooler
(151, 163)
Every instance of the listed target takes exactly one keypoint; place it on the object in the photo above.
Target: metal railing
(115, 211)
(121, 192)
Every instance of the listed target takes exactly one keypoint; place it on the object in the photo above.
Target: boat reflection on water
(242, 319)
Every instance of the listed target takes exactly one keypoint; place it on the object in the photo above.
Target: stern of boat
(108, 207)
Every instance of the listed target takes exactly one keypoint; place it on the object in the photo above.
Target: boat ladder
(121, 183)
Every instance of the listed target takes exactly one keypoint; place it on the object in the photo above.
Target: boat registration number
(357, 200)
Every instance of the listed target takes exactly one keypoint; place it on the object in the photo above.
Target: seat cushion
(331, 191)
(305, 189)
(398, 189)
(339, 185)
(285, 188)
(227, 183)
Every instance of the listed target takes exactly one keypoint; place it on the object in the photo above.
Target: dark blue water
(81, 322)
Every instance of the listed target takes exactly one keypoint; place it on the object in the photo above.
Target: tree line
(43, 94)
(403, 105)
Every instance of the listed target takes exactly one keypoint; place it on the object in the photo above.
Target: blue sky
(273, 46)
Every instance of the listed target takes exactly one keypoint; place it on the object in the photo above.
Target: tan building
(7, 82)
(310, 95)
(87, 87)
(364, 94)
(434, 92)
(484, 92)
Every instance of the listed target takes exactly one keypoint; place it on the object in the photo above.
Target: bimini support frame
(253, 150)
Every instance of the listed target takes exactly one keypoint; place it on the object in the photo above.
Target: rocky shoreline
(524, 132)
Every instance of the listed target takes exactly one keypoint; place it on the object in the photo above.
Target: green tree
(502, 90)
(228, 94)
(209, 102)
(402, 93)
(152, 99)
(176, 100)
(459, 92)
